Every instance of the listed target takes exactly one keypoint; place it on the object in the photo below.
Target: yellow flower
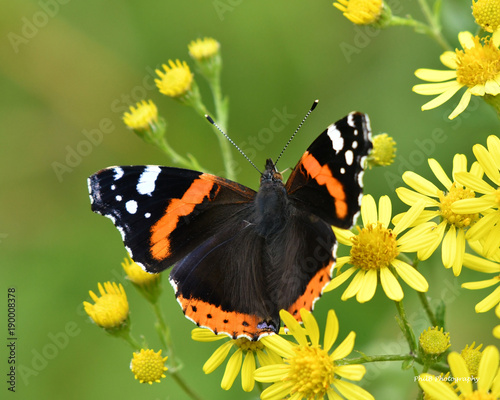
(488, 379)
(489, 301)
(310, 371)
(384, 151)
(472, 357)
(148, 366)
(487, 14)
(201, 49)
(477, 67)
(375, 249)
(452, 225)
(111, 309)
(177, 79)
(487, 228)
(137, 275)
(143, 117)
(434, 341)
(360, 12)
(251, 350)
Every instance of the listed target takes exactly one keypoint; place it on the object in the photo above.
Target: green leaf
(407, 364)
(440, 314)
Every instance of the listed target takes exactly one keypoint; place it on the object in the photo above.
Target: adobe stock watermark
(224, 6)
(30, 26)
(93, 137)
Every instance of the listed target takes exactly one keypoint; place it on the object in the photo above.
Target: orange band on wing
(213, 317)
(312, 292)
(160, 232)
(323, 176)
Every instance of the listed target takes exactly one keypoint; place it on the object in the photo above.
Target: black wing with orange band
(327, 181)
(180, 206)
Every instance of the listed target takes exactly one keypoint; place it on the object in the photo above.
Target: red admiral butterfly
(241, 256)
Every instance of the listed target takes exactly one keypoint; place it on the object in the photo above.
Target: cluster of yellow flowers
(458, 209)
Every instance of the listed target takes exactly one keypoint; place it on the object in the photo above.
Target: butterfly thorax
(271, 202)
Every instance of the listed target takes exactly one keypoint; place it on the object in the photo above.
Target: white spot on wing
(147, 215)
(113, 187)
(354, 145)
(118, 173)
(350, 121)
(336, 138)
(147, 180)
(342, 171)
(118, 198)
(349, 157)
(131, 206)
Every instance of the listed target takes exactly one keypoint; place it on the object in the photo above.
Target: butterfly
(239, 256)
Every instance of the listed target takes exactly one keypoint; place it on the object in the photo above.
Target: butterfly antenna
(209, 118)
(298, 128)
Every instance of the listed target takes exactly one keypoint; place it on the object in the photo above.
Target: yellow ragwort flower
(384, 150)
(488, 379)
(472, 357)
(148, 366)
(177, 79)
(487, 229)
(487, 14)
(434, 341)
(310, 371)
(477, 67)
(452, 226)
(489, 301)
(111, 309)
(360, 12)
(201, 49)
(143, 117)
(251, 350)
(137, 275)
(375, 249)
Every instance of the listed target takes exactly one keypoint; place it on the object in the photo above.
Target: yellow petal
(384, 210)
(351, 372)
(462, 105)
(478, 90)
(489, 301)
(493, 143)
(483, 227)
(435, 388)
(232, 370)
(343, 236)
(439, 173)
(310, 325)
(390, 284)
(368, 287)
(217, 358)
(487, 162)
(278, 345)
(247, 370)
(491, 87)
(459, 370)
(351, 391)
(449, 249)
(425, 253)
(449, 59)
(443, 98)
(354, 286)
(368, 210)
(480, 264)
(473, 182)
(345, 348)
(331, 330)
(459, 164)
(410, 275)
(410, 197)
(420, 184)
(294, 327)
(433, 75)
(277, 391)
(418, 238)
(410, 216)
(466, 40)
(428, 89)
(488, 367)
(460, 251)
(339, 280)
(481, 284)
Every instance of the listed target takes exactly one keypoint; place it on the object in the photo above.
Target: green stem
(407, 331)
(189, 162)
(435, 27)
(427, 307)
(178, 379)
(369, 359)
(125, 335)
(421, 27)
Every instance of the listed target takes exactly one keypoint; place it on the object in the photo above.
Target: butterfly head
(270, 174)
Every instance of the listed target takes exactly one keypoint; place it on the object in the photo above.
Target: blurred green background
(70, 67)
